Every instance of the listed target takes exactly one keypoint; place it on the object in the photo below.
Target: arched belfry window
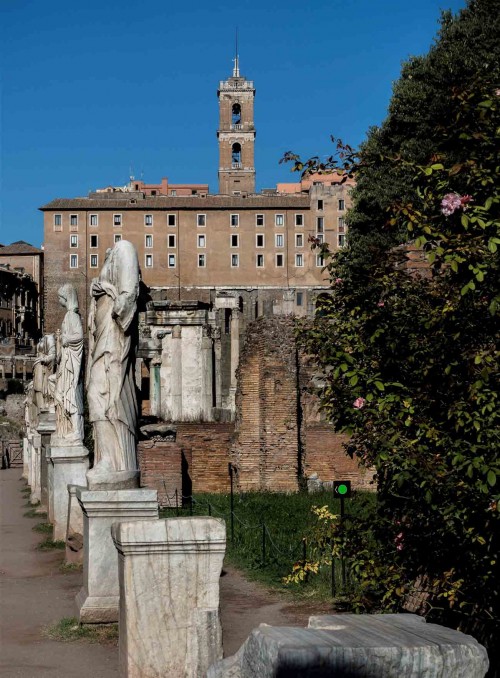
(236, 114)
(236, 153)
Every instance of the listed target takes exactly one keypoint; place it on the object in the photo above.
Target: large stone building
(193, 244)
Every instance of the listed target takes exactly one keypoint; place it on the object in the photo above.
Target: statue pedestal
(98, 599)
(45, 428)
(68, 466)
(26, 459)
(169, 596)
(36, 466)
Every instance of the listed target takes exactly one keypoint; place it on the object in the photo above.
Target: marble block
(68, 466)
(74, 528)
(50, 484)
(169, 596)
(97, 601)
(36, 467)
(361, 646)
(26, 460)
(45, 428)
(29, 446)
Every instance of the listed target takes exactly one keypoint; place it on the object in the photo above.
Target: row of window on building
(234, 240)
(201, 221)
(279, 260)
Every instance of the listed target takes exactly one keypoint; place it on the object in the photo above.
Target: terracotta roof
(198, 204)
(20, 247)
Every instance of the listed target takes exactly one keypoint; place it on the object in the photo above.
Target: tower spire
(236, 69)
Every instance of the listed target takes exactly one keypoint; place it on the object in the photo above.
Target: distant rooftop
(20, 247)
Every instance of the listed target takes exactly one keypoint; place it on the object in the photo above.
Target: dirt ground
(34, 594)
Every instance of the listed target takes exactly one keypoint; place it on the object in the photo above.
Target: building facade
(21, 294)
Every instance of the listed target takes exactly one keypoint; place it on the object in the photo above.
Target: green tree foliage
(410, 361)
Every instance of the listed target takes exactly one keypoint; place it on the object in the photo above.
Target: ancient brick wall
(280, 437)
(197, 461)
(324, 454)
(266, 447)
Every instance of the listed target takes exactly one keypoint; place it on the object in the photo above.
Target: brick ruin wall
(277, 440)
(197, 461)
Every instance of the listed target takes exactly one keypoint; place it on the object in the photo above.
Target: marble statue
(43, 367)
(111, 388)
(68, 387)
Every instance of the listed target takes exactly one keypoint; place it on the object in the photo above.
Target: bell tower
(236, 134)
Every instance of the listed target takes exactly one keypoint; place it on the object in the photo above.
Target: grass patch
(70, 630)
(43, 528)
(51, 545)
(34, 513)
(25, 490)
(287, 519)
(67, 568)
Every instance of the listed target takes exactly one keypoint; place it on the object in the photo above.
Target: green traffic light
(342, 489)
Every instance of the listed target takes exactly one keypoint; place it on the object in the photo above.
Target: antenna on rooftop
(236, 69)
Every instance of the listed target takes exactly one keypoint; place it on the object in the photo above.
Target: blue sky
(91, 90)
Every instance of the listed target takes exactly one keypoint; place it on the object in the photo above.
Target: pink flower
(450, 203)
(359, 403)
(338, 281)
(453, 202)
(398, 540)
(380, 304)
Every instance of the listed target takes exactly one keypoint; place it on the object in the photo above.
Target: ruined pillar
(235, 354)
(216, 333)
(155, 387)
(176, 388)
(206, 376)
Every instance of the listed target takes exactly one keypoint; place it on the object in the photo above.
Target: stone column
(206, 376)
(36, 466)
(218, 366)
(26, 459)
(235, 354)
(176, 390)
(29, 439)
(46, 428)
(155, 387)
(97, 601)
(169, 596)
(69, 466)
(24, 369)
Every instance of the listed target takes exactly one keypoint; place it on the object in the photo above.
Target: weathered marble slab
(36, 467)
(74, 528)
(68, 466)
(169, 596)
(356, 646)
(98, 599)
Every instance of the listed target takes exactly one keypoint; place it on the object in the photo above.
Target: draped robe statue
(68, 387)
(43, 367)
(111, 389)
